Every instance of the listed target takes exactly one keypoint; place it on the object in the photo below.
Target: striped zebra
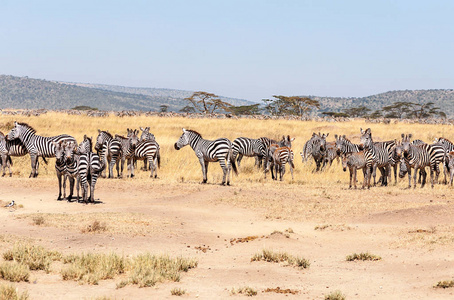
(209, 151)
(354, 161)
(377, 156)
(36, 145)
(147, 150)
(344, 145)
(243, 146)
(316, 146)
(8, 149)
(128, 147)
(286, 141)
(419, 157)
(280, 157)
(403, 170)
(309, 145)
(60, 169)
(146, 135)
(113, 151)
(96, 165)
(397, 159)
(331, 154)
(450, 162)
(448, 147)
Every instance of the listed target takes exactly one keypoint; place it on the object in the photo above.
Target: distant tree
(163, 108)
(245, 109)
(398, 110)
(426, 110)
(207, 102)
(294, 105)
(335, 114)
(84, 107)
(188, 109)
(376, 114)
(357, 112)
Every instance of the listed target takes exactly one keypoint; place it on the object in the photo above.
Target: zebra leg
(8, 164)
(239, 158)
(3, 162)
(64, 185)
(225, 169)
(33, 158)
(71, 188)
(395, 173)
(117, 162)
(291, 171)
(122, 161)
(59, 185)
(204, 169)
(282, 172)
(131, 162)
(351, 177)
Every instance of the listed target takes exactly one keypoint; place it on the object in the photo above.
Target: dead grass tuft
(177, 292)
(14, 272)
(337, 227)
(277, 257)
(35, 257)
(9, 292)
(243, 240)
(94, 227)
(363, 256)
(245, 290)
(278, 290)
(38, 220)
(336, 295)
(445, 284)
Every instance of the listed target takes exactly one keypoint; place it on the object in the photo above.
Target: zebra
(113, 151)
(450, 162)
(344, 145)
(60, 169)
(243, 146)
(418, 157)
(309, 145)
(377, 155)
(36, 145)
(8, 149)
(397, 159)
(150, 151)
(286, 141)
(331, 154)
(280, 157)
(128, 146)
(209, 151)
(317, 147)
(95, 162)
(448, 146)
(146, 135)
(354, 161)
(85, 146)
(403, 170)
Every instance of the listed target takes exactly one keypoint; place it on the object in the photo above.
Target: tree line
(204, 102)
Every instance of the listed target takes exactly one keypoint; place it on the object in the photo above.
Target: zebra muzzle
(176, 146)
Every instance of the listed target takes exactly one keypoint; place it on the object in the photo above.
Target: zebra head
(339, 144)
(183, 140)
(286, 141)
(59, 151)
(402, 168)
(366, 139)
(146, 134)
(15, 132)
(85, 146)
(398, 149)
(345, 158)
(69, 152)
(133, 138)
(406, 144)
(102, 137)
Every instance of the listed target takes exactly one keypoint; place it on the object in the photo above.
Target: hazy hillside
(442, 98)
(28, 93)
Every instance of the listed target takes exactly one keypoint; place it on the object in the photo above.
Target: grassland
(175, 215)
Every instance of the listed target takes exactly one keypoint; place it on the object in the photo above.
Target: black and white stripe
(280, 157)
(128, 146)
(209, 151)
(243, 146)
(113, 151)
(148, 150)
(354, 161)
(8, 149)
(36, 145)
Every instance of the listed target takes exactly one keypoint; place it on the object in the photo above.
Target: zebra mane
(89, 142)
(26, 125)
(1, 134)
(193, 131)
(108, 134)
(346, 139)
(442, 138)
(121, 137)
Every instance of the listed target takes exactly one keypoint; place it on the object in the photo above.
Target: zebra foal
(209, 151)
(8, 149)
(279, 158)
(354, 161)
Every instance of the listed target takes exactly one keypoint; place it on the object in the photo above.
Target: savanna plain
(170, 237)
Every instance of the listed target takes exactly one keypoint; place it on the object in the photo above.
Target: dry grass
(362, 256)
(132, 224)
(277, 257)
(429, 238)
(244, 290)
(9, 292)
(445, 284)
(336, 295)
(177, 292)
(14, 272)
(35, 257)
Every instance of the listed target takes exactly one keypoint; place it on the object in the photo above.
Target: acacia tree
(245, 109)
(294, 105)
(207, 102)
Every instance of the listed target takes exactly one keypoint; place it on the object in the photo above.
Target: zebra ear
(410, 136)
(344, 136)
(361, 130)
(99, 130)
(141, 128)
(147, 128)
(402, 135)
(292, 139)
(327, 134)
(368, 131)
(184, 130)
(335, 136)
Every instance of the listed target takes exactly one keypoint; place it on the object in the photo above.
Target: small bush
(9, 292)
(445, 284)
(35, 257)
(14, 272)
(363, 256)
(38, 220)
(270, 256)
(94, 227)
(245, 290)
(336, 295)
(177, 292)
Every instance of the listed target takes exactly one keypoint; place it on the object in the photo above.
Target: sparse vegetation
(14, 272)
(277, 257)
(35, 257)
(177, 292)
(278, 290)
(445, 284)
(362, 256)
(245, 290)
(38, 220)
(94, 227)
(9, 292)
(336, 295)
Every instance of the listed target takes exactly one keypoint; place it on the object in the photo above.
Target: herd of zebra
(79, 162)
(369, 155)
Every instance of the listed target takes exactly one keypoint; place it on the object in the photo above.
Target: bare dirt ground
(193, 220)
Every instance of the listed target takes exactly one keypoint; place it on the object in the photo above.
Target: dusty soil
(194, 220)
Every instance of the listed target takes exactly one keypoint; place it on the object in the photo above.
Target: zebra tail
(10, 160)
(158, 157)
(291, 164)
(44, 159)
(232, 161)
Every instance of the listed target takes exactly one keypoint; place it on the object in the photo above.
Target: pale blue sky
(243, 49)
